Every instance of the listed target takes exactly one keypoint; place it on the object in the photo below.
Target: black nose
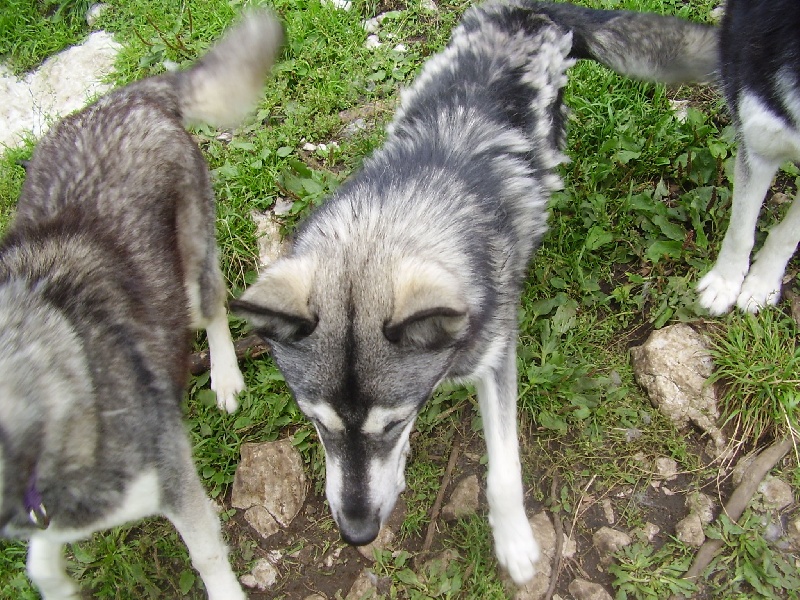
(358, 531)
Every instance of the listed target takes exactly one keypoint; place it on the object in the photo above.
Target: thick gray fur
(411, 273)
(110, 262)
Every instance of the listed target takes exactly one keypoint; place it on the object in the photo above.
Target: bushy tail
(644, 46)
(223, 86)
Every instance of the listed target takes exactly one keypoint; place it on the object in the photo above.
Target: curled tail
(644, 46)
(223, 86)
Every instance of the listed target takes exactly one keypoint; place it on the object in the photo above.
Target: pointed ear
(277, 305)
(430, 311)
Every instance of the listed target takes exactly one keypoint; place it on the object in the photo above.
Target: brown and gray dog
(109, 264)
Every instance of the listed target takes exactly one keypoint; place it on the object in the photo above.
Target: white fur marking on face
(387, 477)
(324, 415)
(379, 417)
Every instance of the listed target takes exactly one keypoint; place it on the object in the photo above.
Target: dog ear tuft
(277, 305)
(429, 309)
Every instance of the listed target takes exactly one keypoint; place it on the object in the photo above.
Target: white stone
(65, 83)
(95, 12)
(373, 41)
(268, 234)
(371, 25)
(339, 4)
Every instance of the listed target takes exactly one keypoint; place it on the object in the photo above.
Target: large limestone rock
(673, 366)
(270, 485)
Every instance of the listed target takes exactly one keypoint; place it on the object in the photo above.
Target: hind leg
(515, 546)
(198, 525)
(210, 314)
(47, 569)
(204, 282)
(721, 286)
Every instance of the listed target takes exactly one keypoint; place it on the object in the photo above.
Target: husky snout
(357, 528)
(362, 494)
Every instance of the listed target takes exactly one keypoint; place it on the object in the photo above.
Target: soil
(314, 560)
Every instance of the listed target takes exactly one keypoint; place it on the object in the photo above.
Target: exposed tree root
(739, 500)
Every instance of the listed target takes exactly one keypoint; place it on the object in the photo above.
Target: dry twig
(437, 505)
(559, 539)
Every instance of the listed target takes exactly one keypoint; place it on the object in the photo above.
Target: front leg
(722, 285)
(515, 546)
(47, 568)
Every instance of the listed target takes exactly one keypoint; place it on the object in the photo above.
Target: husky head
(362, 344)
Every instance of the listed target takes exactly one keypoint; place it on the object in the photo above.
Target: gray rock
(387, 534)
(262, 576)
(648, 531)
(608, 541)
(582, 589)
(464, 499)
(667, 468)
(690, 531)
(794, 533)
(384, 541)
(701, 505)
(439, 563)
(673, 366)
(365, 587)
(741, 468)
(270, 485)
(776, 492)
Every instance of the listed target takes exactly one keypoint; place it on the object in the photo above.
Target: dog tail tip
(224, 86)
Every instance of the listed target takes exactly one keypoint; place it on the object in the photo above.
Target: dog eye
(392, 425)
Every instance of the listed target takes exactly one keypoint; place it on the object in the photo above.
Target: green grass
(30, 31)
(644, 208)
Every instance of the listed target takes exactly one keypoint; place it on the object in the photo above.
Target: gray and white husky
(757, 64)
(109, 263)
(412, 272)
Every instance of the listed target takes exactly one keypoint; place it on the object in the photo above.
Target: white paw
(758, 292)
(718, 293)
(516, 549)
(227, 382)
(227, 591)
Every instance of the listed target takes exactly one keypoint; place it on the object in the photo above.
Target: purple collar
(34, 505)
